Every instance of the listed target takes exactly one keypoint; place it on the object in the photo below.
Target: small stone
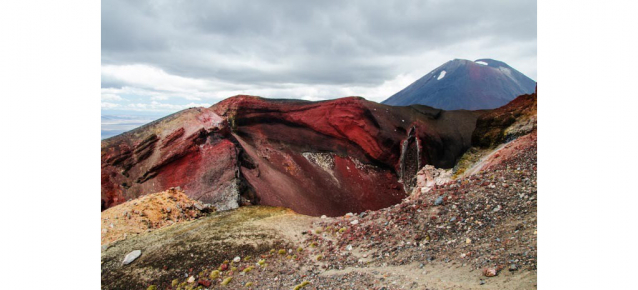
(354, 222)
(204, 283)
(237, 259)
(489, 272)
(513, 267)
(130, 257)
(191, 279)
(349, 247)
(439, 200)
(468, 241)
(324, 216)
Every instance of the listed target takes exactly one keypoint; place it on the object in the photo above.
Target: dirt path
(442, 276)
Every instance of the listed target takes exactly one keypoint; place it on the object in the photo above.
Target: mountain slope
(464, 84)
(329, 157)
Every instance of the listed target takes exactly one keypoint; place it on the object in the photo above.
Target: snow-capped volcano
(466, 84)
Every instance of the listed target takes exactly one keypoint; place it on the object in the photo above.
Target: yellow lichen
(214, 274)
(248, 269)
(303, 284)
(226, 281)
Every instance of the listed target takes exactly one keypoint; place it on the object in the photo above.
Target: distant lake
(113, 125)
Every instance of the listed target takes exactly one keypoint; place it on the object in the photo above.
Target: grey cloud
(308, 42)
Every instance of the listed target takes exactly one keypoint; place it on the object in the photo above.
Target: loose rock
(130, 257)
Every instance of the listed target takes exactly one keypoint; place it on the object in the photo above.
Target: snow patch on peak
(481, 62)
(441, 75)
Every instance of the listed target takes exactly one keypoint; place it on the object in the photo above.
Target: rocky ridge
(329, 157)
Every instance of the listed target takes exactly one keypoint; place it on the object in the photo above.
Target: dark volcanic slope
(463, 84)
(506, 123)
(330, 157)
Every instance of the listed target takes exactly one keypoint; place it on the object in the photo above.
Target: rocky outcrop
(329, 157)
(428, 177)
(506, 123)
(150, 212)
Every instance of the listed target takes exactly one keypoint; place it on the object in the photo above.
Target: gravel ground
(477, 232)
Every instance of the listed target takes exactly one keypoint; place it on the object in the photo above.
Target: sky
(159, 57)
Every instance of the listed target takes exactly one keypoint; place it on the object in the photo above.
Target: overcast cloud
(162, 56)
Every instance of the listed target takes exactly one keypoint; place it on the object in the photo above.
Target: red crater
(329, 157)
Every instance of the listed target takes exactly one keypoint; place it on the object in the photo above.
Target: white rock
(237, 259)
(130, 257)
(354, 222)
(191, 279)
(349, 247)
(324, 216)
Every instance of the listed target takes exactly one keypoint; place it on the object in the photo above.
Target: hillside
(476, 232)
(329, 157)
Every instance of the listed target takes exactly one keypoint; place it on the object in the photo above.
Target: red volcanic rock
(204, 283)
(329, 157)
